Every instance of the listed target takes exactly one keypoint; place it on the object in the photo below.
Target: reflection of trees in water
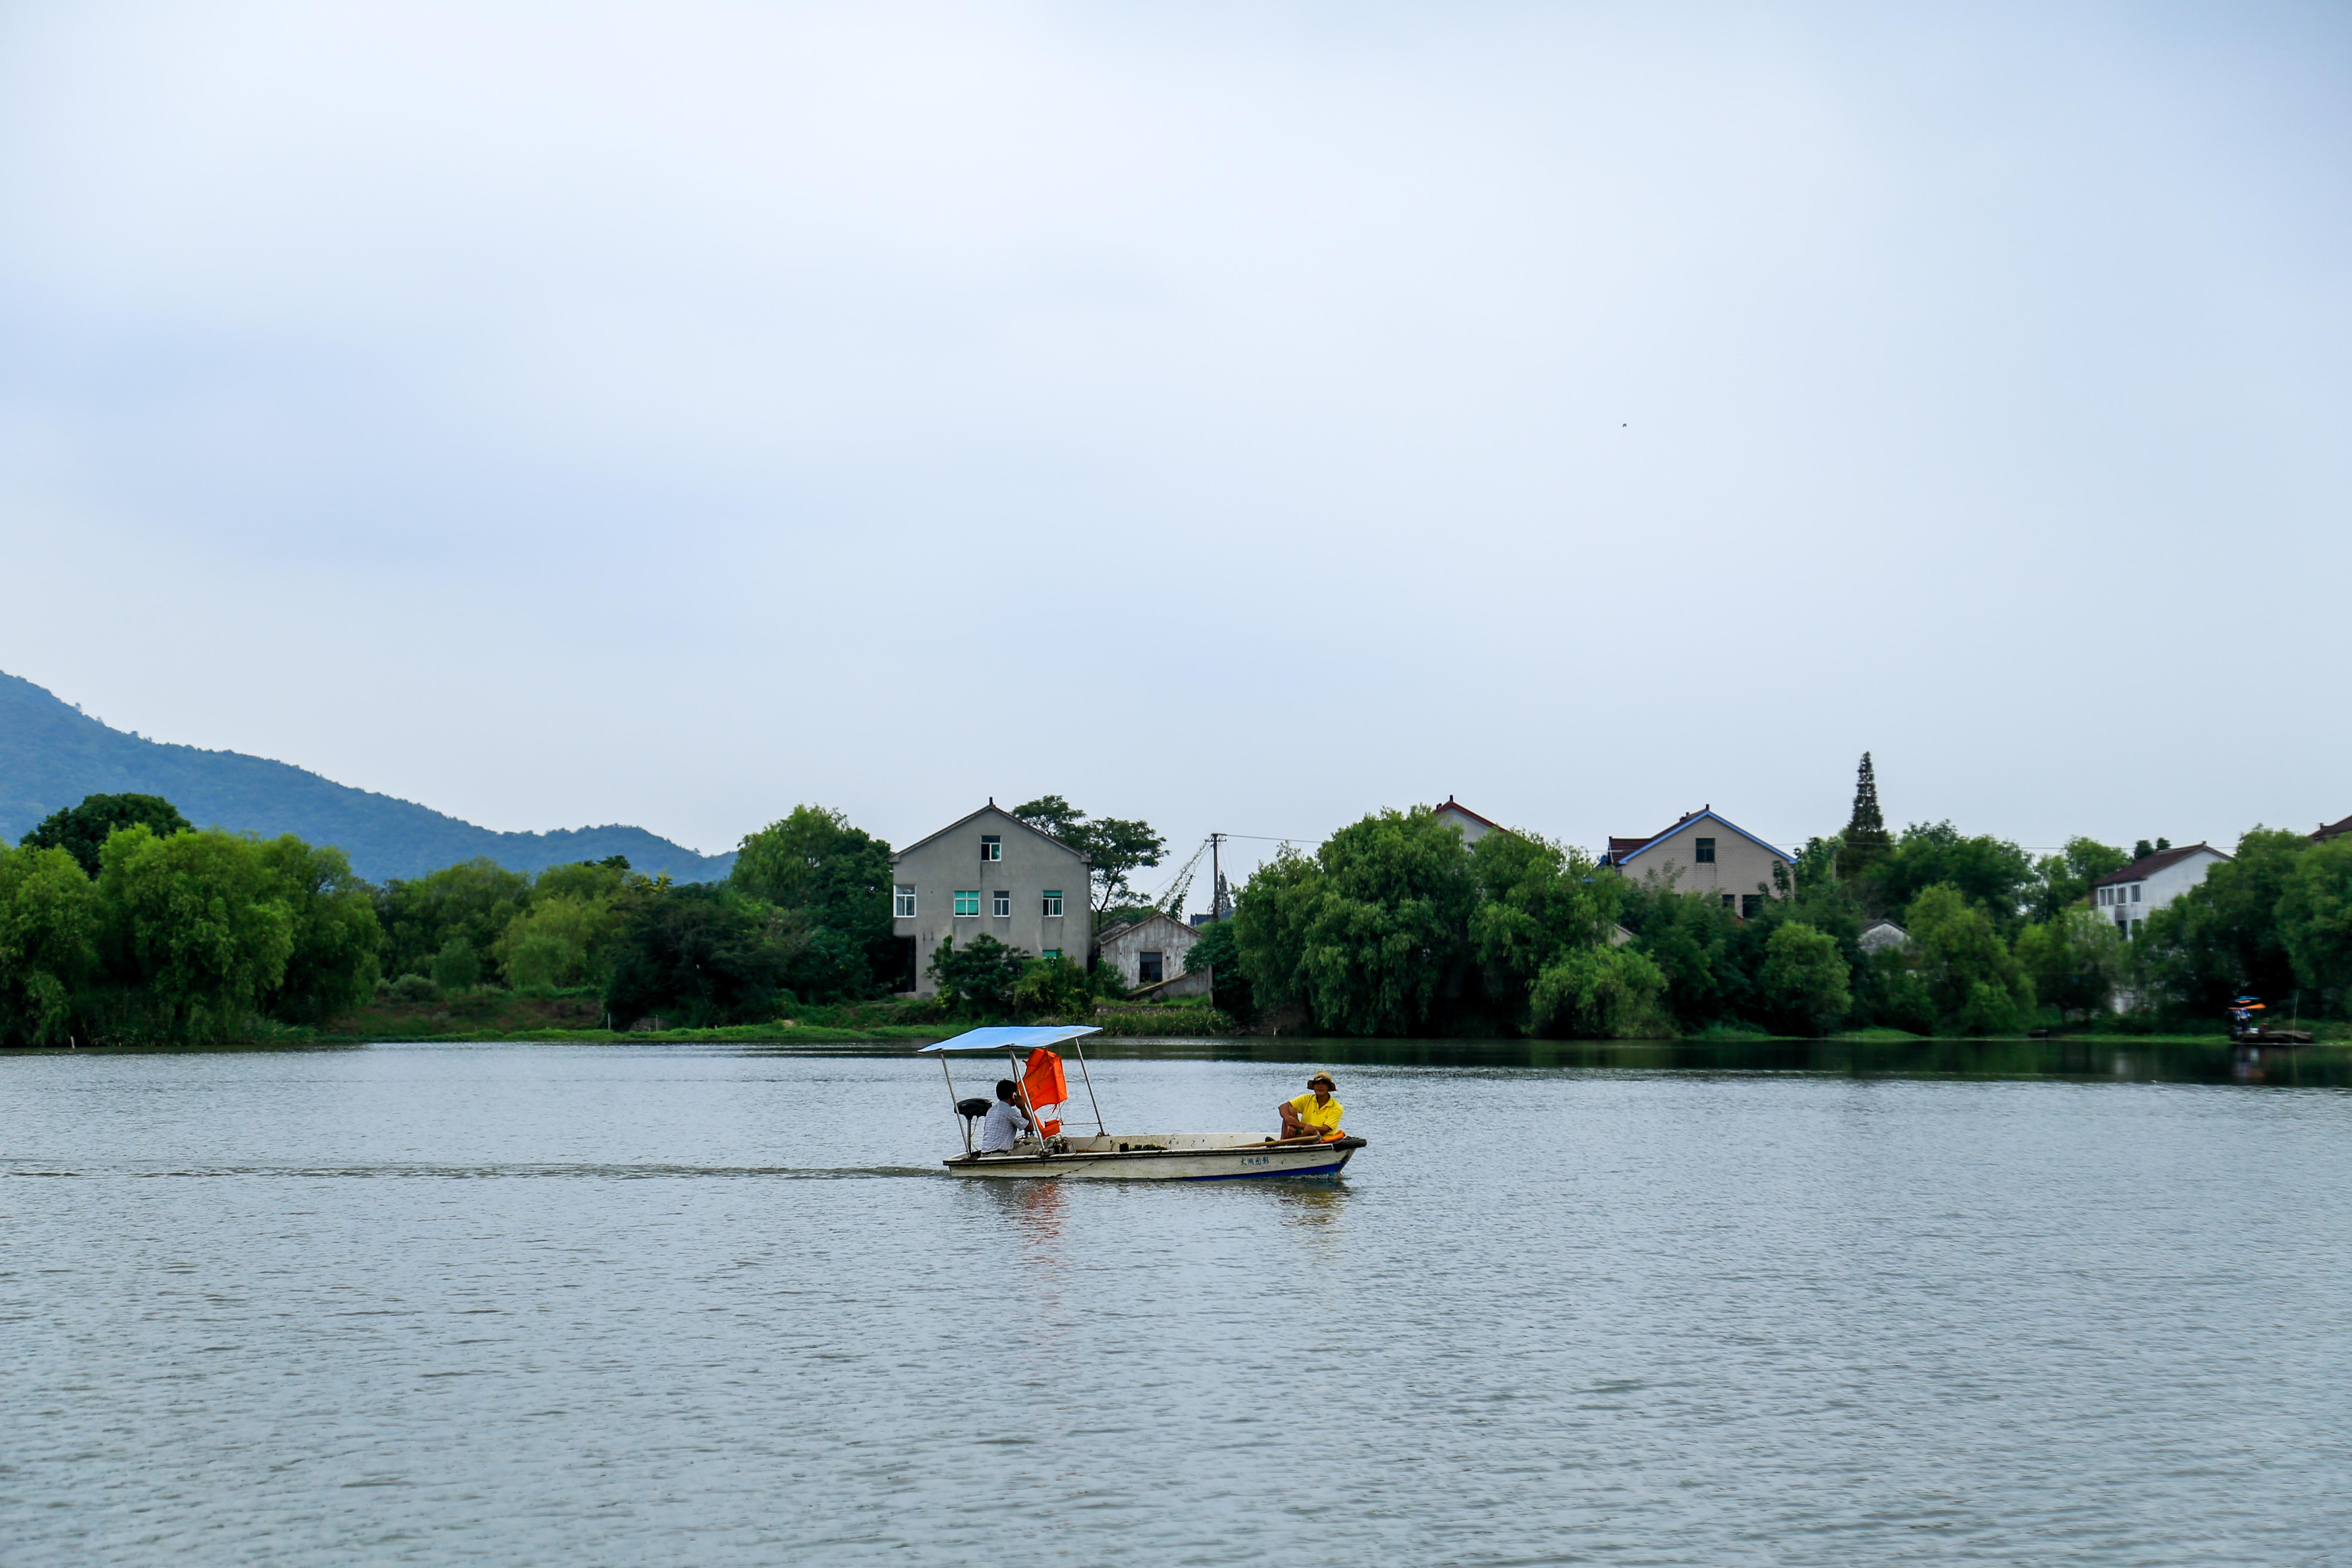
(2153, 1060)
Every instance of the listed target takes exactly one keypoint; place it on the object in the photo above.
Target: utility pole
(1220, 906)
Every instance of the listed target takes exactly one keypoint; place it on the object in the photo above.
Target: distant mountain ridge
(52, 755)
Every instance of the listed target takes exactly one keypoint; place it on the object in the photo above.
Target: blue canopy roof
(1012, 1036)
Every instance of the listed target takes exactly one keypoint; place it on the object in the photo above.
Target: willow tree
(48, 933)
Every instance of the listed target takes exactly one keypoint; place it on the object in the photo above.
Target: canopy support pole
(1021, 1088)
(1100, 1130)
(951, 1101)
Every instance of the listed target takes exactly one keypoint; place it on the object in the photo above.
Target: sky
(1238, 417)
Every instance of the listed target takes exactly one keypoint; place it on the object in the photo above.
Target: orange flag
(1042, 1081)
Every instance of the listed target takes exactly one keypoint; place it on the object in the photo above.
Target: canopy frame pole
(951, 1101)
(1021, 1087)
(1077, 1043)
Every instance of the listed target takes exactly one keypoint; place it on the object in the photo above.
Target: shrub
(1600, 992)
(1052, 985)
(1804, 980)
(413, 991)
(456, 967)
(980, 974)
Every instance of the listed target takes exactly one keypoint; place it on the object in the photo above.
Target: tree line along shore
(122, 923)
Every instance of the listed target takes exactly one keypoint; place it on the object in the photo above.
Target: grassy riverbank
(487, 1015)
(491, 1015)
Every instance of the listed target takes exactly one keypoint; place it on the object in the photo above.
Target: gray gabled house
(991, 873)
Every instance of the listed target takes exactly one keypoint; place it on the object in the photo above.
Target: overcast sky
(1241, 416)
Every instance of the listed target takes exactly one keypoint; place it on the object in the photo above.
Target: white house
(2129, 896)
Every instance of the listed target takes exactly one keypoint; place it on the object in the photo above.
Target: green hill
(52, 755)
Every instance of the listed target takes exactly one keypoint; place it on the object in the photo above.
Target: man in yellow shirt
(1314, 1114)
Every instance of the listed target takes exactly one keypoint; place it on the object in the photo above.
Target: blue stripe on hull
(1268, 1175)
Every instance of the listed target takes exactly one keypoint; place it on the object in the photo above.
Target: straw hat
(1322, 1077)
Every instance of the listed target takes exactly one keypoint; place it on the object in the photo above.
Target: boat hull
(1247, 1161)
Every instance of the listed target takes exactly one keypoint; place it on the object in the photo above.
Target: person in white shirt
(1006, 1120)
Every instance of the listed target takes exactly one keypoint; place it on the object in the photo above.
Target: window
(2103, 896)
(1001, 905)
(1051, 955)
(967, 901)
(2135, 892)
(1053, 903)
(1726, 900)
(1148, 968)
(1706, 851)
(902, 903)
(1749, 903)
(991, 847)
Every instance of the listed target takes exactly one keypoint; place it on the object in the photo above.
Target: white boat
(1103, 1155)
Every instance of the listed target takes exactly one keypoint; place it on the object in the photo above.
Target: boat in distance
(1051, 1154)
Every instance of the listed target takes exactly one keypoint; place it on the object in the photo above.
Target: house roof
(1454, 805)
(991, 809)
(1134, 929)
(1624, 849)
(2148, 865)
(2332, 829)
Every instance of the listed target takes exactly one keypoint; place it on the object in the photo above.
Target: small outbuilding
(1148, 951)
(1880, 935)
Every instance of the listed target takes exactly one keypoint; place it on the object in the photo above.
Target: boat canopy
(1012, 1037)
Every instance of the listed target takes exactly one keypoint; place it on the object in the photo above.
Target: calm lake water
(580, 1305)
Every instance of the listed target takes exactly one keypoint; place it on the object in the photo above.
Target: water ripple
(1552, 1315)
(595, 1170)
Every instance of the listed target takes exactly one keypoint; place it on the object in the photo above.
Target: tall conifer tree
(1865, 835)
